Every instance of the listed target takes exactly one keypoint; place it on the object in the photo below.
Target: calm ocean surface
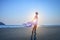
(19, 32)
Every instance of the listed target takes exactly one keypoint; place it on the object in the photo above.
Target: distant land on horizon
(1, 23)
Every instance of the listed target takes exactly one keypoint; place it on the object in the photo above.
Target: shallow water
(24, 33)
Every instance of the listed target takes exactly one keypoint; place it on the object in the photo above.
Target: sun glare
(32, 14)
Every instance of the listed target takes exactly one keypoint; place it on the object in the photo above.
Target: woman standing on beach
(35, 21)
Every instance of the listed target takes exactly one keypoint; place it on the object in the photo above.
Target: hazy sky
(20, 11)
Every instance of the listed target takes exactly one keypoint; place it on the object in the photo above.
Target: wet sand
(24, 33)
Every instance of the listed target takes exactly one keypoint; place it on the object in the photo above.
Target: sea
(18, 32)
